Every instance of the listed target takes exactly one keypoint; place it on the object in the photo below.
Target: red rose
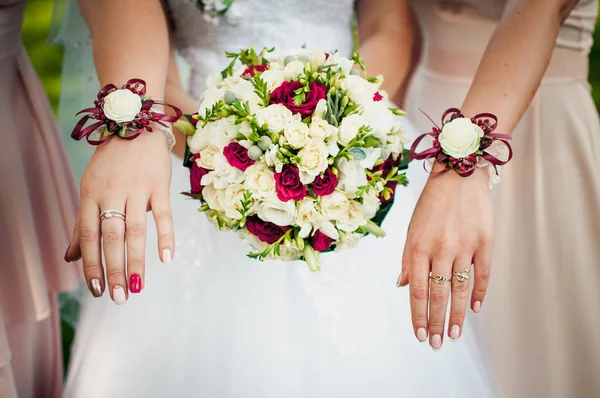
(288, 184)
(237, 156)
(196, 174)
(252, 69)
(325, 185)
(284, 94)
(319, 241)
(265, 231)
(386, 167)
(377, 97)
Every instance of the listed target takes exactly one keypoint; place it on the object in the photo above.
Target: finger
(89, 238)
(460, 296)
(403, 277)
(73, 252)
(419, 294)
(161, 210)
(482, 261)
(135, 230)
(113, 242)
(439, 290)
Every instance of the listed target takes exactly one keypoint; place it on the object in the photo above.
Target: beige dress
(37, 209)
(540, 321)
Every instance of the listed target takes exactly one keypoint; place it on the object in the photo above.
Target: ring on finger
(439, 279)
(106, 214)
(463, 275)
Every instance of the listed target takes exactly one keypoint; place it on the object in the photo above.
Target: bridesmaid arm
(388, 33)
(515, 60)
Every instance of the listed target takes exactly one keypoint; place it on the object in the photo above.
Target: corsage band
(125, 112)
(462, 144)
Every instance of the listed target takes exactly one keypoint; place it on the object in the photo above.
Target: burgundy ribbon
(138, 125)
(466, 166)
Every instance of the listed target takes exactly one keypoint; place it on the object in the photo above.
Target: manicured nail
(436, 342)
(477, 306)
(454, 332)
(119, 295)
(421, 334)
(95, 287)
(67, 252)
(167, 257)
(135, 283)
(399, 279)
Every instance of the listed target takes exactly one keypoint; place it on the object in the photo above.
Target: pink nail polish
(421, 334)
(436, 342)
(135, 283)
(477, 306)
(454, 332)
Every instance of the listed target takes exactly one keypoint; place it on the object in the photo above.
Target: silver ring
(106, 214)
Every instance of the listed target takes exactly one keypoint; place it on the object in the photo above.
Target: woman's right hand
(132, 177)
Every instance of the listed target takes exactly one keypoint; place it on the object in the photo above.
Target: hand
(451, 229)
(132, 177)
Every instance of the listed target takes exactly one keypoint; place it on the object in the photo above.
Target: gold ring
(463, 275)
(439, 279)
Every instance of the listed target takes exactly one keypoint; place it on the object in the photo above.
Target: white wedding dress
(215, 323)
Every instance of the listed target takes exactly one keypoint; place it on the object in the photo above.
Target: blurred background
(47, 60)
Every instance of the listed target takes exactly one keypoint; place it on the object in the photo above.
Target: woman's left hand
(451, 229)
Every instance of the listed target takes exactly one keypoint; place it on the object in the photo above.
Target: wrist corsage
(462, 144)
(125, 113)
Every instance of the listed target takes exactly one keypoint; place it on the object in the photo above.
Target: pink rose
(325, 185)
(285, 94)
(288, 185)
(237, 156)
(252, 69)
(196, 174)
(265, 231)
(319, 241)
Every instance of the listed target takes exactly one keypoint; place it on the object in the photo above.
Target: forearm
(514, 62)
(130, 40)
(175, 95)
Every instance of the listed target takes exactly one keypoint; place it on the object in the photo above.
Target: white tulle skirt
(215, 323)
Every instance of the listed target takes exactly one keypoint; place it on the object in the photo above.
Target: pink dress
(540, 321)
(38, 200)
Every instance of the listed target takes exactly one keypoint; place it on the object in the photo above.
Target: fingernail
(399, 279)
(421, 334)
(95, 287)
(436, 342)
(477, 306)
(167, 257)
(454, 332)
(119, 295)
(67, 252)
(135, 283)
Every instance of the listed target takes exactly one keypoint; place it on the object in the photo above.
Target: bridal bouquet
(296, 152)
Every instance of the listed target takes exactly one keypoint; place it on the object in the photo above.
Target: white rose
(348, 240)
(252, 240)
(260, 180)
(122, 106)
(335, 206)
(214, 80)
(308, 217)
(275, 117)
(313, 160)
(371, 204)
(379, 117)
(360, 90)
(224, 174)
(207, 157)
(344, 64)
(273, 78)
(349, 128)
(232, 201)
(278, 212)
(213, 197)
(293, 69)
(353, 219)
(212, 133)
(272, 160)
(296, 134)
(460, 138)
(372, 155)
(244, 91)
(351, 175)
(320, 128)
(289, 251)
(210, 97)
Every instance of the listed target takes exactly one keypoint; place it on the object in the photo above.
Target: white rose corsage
(462, 144)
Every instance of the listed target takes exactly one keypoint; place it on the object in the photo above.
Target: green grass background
(47, 60)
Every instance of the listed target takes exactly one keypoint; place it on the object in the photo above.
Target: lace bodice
(264, 23)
